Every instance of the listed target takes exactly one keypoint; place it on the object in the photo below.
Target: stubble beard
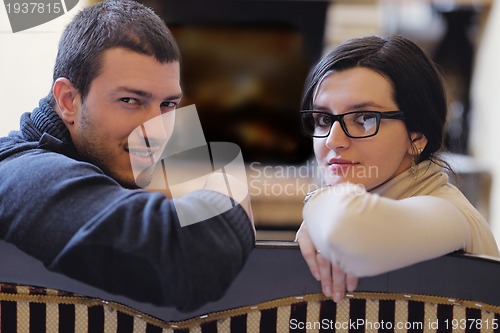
(94, 152)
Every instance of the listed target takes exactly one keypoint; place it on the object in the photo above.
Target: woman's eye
(363, 118)
(322, 120)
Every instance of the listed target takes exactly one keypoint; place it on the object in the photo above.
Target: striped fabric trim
(38, 310)
(358, 312)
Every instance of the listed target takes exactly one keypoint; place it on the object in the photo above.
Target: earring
(413, 168)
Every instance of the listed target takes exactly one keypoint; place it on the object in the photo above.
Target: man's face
(131, 89)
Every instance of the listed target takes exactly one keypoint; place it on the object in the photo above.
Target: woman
(376, 109)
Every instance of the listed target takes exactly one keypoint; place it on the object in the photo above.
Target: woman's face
(367, 161)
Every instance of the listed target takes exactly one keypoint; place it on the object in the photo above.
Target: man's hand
(334, 281)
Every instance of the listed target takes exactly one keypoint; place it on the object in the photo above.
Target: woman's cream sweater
(403, 221)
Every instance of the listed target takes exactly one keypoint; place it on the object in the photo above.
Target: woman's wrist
(342, 188)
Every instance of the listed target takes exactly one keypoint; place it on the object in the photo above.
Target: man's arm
(81, 223)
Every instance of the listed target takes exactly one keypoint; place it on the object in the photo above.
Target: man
(68, 193)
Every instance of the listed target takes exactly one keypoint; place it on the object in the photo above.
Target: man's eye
(129, 100)
(169, 104)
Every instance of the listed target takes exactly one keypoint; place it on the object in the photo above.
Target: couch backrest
(274, 293)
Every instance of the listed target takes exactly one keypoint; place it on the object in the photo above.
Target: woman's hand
(334, 281)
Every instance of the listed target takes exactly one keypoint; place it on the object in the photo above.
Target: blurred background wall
(27, 60)
(484, 138)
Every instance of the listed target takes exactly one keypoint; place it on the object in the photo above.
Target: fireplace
(244, 64)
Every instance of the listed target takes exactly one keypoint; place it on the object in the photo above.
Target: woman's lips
(340, 165)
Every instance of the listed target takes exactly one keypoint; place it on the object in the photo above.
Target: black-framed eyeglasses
(355, 124)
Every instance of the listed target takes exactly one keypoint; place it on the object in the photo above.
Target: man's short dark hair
(109, 24)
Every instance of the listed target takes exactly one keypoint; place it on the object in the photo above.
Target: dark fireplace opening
(244, 64)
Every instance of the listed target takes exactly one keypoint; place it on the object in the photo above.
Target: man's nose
(153, 128)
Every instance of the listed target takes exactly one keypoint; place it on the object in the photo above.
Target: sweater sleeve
(366, 234)
(127, 242)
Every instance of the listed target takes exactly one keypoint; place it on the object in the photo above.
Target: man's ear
(67, 99)
(418, 141)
